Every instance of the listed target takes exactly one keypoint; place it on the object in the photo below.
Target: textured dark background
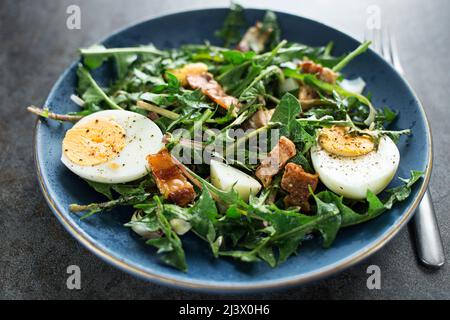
(36, 46)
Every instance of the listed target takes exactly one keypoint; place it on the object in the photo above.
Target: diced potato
(224, 177)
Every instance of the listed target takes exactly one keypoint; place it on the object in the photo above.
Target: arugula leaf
(375, 206)
(85, 81)
(232, 80)
(386, 115)
(103, 188)
(169, 246)
(132, 188)
(123, 63)
(204, 216)
(96, 55)
(95, 60)
(129, 194)
(329, 227)
(264, 74)
(329, 88)
(291, 227)
(94, 208)
(270, 23)
(230, 32)
(301, 159)
(286, 112)
(402, 192)
(92, 96)
(236, 57)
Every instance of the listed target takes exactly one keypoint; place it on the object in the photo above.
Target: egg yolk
(338, 141)
(94, 142)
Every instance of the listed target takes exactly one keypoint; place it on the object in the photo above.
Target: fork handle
(428, 239)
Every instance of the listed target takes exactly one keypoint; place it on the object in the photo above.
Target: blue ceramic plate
(105, 235)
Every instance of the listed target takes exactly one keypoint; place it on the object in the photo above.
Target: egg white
(143, 137)
(226, 177)
(352, 177)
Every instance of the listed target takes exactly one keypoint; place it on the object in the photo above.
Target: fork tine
(395, 57)
(376, 37)
(386, 46)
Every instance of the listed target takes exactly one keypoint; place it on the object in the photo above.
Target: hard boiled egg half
(350, 165)
(111, 146)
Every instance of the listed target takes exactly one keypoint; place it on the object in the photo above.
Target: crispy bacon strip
(323, 73)
(296, 181)
(254, 39)
(275, 161)
(211, 88)
(170, 181)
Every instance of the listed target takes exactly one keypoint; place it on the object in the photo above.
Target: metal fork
(426, 231)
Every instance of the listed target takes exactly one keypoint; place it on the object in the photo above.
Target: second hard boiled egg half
(353, 176)
(111, 146)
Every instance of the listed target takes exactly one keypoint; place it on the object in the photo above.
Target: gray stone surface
(35, 47)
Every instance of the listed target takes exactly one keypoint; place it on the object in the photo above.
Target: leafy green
(169, 247)
(96, 55)
(236, 57)
(286, 112)
(129, 194)
(94, 208)
(375, 205)
(270, 23)
(329, 88)
(96, 93)
(359, 50)
(230, 32)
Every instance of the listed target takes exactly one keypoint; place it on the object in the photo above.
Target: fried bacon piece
(307, 96)
(323, 73)
(170, 180)
(307, 93)
(254, 39)
(275, 161)
(211, 88)
(260, 118)
(296, 182)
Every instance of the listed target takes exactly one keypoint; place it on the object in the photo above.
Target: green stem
(94, 207)
(264, 74)
(361, 48)
(328, 48)
(325, 122)
(272, 98)
(45, 113)
(248, 136)
(99, 90)
(161, 111)
(112, 51)
(199, 123)
(304, 228)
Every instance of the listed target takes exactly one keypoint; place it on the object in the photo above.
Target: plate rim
(232, 287)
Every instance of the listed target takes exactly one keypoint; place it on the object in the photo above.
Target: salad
(253, 146)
